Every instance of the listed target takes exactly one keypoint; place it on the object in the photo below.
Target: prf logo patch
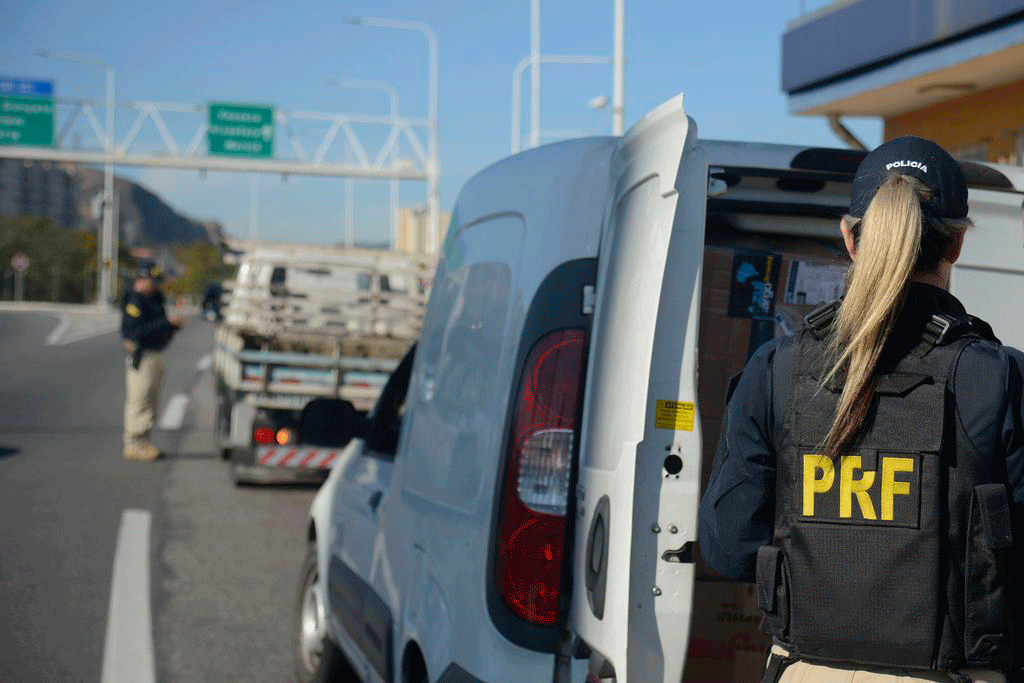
(845, 492)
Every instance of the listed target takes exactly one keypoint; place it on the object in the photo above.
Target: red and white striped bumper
(300, 458)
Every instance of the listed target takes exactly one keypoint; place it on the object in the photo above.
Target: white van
(523, 504)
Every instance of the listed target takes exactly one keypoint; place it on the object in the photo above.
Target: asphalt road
(223, 561)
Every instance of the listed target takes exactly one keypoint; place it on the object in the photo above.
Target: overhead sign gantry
(237, 137)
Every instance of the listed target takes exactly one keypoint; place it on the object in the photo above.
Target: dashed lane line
(174, 413)
(128, 648)
(205, 363)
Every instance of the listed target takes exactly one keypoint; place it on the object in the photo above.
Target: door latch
(683, 555)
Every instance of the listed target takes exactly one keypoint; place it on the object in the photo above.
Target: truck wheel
(317, 658)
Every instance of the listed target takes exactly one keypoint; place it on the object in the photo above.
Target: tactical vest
(896, 554)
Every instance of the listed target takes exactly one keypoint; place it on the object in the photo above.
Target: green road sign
(240, 130)
(26, 120)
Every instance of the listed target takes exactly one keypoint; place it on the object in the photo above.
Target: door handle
(374, 501)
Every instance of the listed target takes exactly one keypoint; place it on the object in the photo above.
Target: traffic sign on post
(20, 262)
(26, 112)
(240, 130)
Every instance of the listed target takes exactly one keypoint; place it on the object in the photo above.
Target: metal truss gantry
(383, 163)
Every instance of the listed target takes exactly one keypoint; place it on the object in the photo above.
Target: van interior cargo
(757, 284)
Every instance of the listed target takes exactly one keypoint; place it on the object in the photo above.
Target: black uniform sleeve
(989, 390)
(142, 324)
(737, 513)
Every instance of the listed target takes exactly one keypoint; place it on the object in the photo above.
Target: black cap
(151, 270)
(916, 157)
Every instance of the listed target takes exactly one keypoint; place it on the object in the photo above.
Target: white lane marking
(128, 649)
(205, 363)
(174, 412)
(58, 332)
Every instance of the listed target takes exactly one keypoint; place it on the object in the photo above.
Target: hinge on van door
(589, 298)
(716, 186)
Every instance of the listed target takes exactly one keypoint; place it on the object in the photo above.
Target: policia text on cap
(875, 495)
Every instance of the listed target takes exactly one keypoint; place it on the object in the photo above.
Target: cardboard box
(726, 645)
(754, 288)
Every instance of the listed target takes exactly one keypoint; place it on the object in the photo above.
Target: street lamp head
(352, 20)
(599, 102)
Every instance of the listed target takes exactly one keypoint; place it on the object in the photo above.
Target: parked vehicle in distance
(212, 301)
(304, 323)
(521, 503)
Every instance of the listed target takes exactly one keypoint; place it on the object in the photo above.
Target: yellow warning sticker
(677, 415)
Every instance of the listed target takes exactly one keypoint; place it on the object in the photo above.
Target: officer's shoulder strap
(943, 328)
(820, 320)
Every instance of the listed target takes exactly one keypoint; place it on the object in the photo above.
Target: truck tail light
(263, 436)
(542, 443)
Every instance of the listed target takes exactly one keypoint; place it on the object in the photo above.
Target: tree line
(63, 263)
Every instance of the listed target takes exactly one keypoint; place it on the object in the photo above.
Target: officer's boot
(141, 450)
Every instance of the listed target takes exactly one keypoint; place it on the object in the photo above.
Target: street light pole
(434, 170)
(392, 93)
(534, 73)
(106, 256)
(254, 207)
(517, 86)
(618, 68)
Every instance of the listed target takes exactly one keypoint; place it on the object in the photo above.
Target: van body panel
(549, 204)
(989, 274)
(640, 408)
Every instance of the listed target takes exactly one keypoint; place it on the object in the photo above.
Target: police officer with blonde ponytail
(870, 472)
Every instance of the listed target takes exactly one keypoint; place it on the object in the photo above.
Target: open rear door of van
(640, 451)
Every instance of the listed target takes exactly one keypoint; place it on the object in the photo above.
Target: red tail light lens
(263, 436)
(531, 530)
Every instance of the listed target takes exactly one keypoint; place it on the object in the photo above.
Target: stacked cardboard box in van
(755, 288)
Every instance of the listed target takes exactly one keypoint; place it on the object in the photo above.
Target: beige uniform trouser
(142, 396)
(805, 672)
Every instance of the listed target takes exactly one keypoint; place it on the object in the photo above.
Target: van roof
(834, 164)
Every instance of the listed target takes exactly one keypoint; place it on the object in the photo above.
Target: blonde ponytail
(887, 255)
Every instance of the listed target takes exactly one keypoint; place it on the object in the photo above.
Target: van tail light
(531, 526)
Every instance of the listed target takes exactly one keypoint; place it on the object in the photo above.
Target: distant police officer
(871, 467)
(146, 330)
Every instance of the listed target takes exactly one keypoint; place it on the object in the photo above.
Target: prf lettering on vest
(886, 495)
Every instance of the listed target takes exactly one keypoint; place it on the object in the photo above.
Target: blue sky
(723, 55)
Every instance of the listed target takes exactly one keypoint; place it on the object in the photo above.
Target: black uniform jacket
(737, 513)
(144, 321)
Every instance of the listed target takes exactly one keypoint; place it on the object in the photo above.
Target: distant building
(413, 232)
(949, 71)
(38, 189)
